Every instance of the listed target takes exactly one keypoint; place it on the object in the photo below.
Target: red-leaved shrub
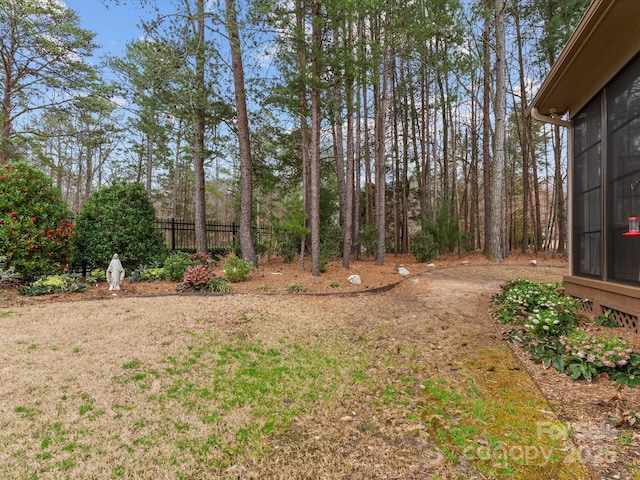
(198, 276)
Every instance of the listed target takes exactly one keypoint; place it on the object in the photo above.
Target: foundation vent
(587, 305)
(623, 319)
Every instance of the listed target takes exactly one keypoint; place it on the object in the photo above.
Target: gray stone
(403, 271)
(115, 273)
(354, 279)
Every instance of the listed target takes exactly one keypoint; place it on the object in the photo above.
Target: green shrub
(218, 284)
(96, 275)
(34, 228)
(237, 269)
(369, 239)
(295, 288)
(423, 246)
(64, 283)
(331, 242)
(118, 219)
(288, 250)
(175, 266)
(145, 273)
(629, 375)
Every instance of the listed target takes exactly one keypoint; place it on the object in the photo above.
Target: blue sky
(114, 25)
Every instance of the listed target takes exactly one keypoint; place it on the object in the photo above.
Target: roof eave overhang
(607, 37)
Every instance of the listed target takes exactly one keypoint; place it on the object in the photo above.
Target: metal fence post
(173, 234)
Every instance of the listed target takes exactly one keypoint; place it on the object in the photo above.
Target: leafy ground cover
(415, 382)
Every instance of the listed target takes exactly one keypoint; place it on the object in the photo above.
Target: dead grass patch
(412, 383)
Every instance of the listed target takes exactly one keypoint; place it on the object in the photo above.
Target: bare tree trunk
(537, 224)
(6, 125)
(305, 142)
(425, 94)
(474, 223)
(368, 189)
(316, 19)
(561, 213)
(380, 108)
(486, 124)
(395, 152)
(176, 173)
(404, 201)
(246, 170)
(357, 203)
(198, 141)
(349, 233)
(495, 247)
(150, 143)
(338, 125)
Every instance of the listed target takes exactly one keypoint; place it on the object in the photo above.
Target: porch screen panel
(623, 159)
(587, 191)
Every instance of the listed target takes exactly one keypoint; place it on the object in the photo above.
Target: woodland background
(338, 120)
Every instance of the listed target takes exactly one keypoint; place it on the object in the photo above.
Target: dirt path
(433, 326)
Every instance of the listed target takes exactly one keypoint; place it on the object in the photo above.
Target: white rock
(431, 265)
(533, 263)
(354, 279)
(403, 271)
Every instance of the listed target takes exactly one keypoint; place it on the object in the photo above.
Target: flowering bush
(34, 231)
(544, 323)
(602, 352)
(520, 297)
(541, 307)
(551, 334)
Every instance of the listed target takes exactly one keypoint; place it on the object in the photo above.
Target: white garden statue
(115, 273)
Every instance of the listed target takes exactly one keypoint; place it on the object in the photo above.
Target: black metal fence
(181, 234)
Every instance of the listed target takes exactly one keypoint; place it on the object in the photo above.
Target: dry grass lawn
(412, 383)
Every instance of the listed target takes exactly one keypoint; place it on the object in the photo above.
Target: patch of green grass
(6, 313)
(295, 288)
(625, 437)
(265, 287)
(132, 365)
(28, 413)
(500, 430)
(262, 389)
(87, 403)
